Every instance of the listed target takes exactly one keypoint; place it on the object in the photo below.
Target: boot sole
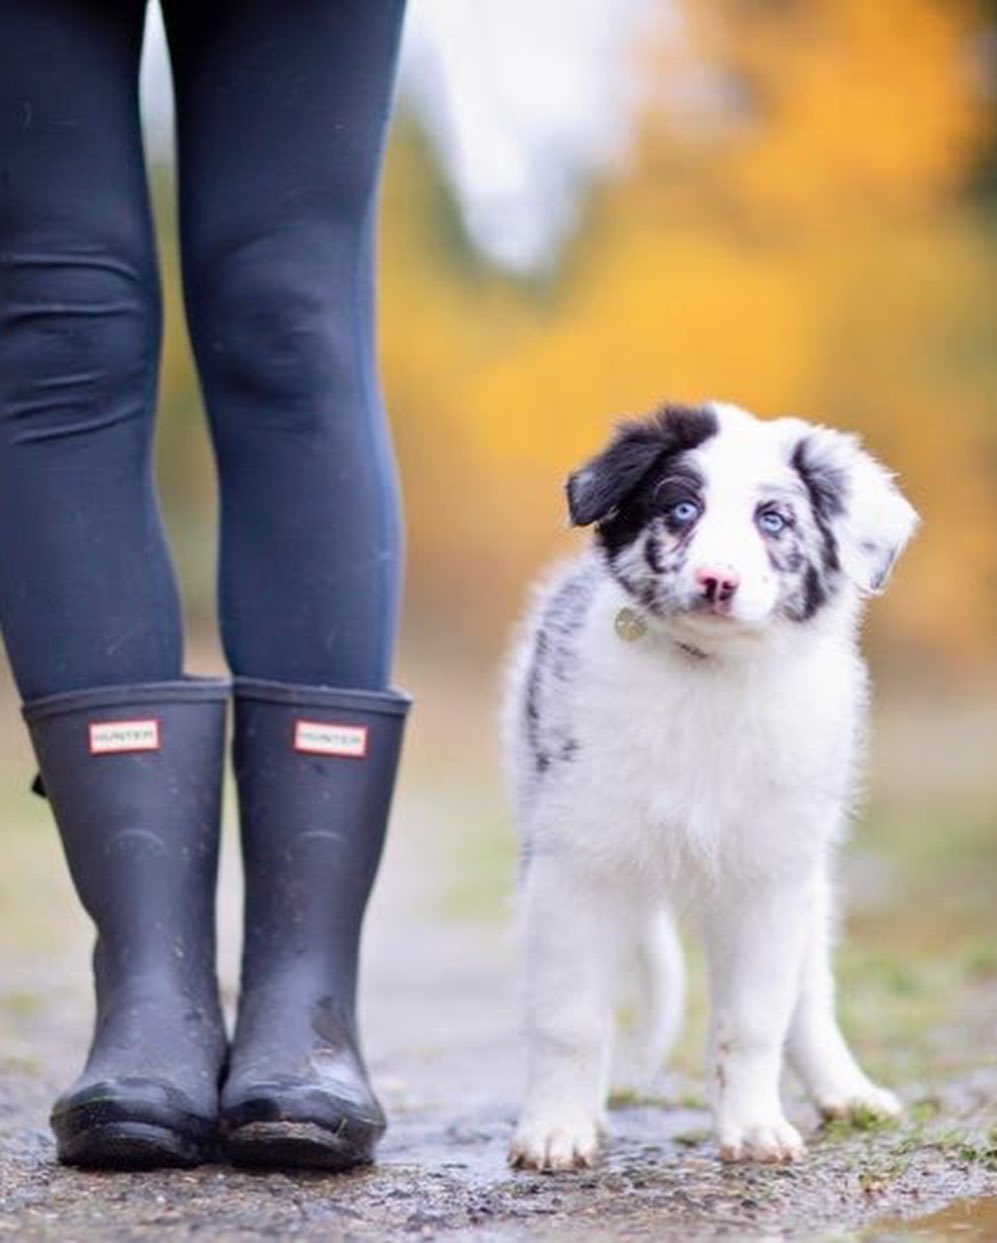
(292, 1145)
(105, 1134)
(131, 1146)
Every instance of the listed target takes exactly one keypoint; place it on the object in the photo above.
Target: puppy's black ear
(599, 487)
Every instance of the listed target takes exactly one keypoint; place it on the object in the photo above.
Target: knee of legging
(79, 343)
(280, 334)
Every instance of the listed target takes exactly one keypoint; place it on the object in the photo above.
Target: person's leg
(130, 754)
(87, 594)
(281, 117)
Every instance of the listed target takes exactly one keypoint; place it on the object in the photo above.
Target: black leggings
(281, 113)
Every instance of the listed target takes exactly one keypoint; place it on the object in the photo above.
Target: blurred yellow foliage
(809, 247)
(860, 105)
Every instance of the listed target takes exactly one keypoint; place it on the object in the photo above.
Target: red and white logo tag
(321, 738)
(115, 737)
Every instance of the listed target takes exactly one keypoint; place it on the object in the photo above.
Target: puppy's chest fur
(640, 756)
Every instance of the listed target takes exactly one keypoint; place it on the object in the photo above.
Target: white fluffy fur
(716, 784)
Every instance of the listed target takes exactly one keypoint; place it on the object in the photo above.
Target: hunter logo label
(115, 737)
(320, 738)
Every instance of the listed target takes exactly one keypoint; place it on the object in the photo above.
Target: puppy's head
(718, 523)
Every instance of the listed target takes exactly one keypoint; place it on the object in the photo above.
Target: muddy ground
(919, 977)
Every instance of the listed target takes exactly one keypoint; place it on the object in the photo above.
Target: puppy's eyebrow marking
(679, 478)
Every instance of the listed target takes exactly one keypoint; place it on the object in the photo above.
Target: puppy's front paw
(771, 1140)
(859, 1102)
(548, 1144)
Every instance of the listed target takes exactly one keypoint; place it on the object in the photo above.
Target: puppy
(685, 713)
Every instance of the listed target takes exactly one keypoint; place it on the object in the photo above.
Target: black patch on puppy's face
(827, 488)
(650, 506)
(827, 491)
(630, 491)
(600, 489)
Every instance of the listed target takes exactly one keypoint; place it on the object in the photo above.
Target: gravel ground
(440, 1018)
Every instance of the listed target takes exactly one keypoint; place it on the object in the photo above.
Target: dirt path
(440, 1022)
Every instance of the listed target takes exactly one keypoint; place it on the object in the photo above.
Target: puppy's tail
(654, 1004)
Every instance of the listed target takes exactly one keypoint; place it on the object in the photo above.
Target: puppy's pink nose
(718, 583)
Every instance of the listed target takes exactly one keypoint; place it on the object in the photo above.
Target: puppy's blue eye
(683, 513)
(771, 521)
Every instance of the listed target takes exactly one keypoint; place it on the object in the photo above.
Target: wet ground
(440, 1019)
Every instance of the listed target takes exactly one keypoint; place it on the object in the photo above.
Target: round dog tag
(629, 625)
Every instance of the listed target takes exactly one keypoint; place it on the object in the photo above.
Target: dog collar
(631, 626)
(696, 653)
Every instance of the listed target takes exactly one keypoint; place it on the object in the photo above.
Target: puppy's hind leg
(571, 942)
(816, 1047)
(652, 1015)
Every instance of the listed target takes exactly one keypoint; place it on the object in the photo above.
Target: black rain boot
(133, 774)
(315, 770)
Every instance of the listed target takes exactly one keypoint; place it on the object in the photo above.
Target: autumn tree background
(819, 238)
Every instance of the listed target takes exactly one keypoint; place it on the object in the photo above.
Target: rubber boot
(315, 769)
(133, 775)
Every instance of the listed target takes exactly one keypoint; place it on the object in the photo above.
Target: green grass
(860, 1121)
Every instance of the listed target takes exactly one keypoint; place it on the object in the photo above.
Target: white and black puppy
(685, 714)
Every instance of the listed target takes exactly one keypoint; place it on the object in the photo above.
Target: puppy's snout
(717, 583)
